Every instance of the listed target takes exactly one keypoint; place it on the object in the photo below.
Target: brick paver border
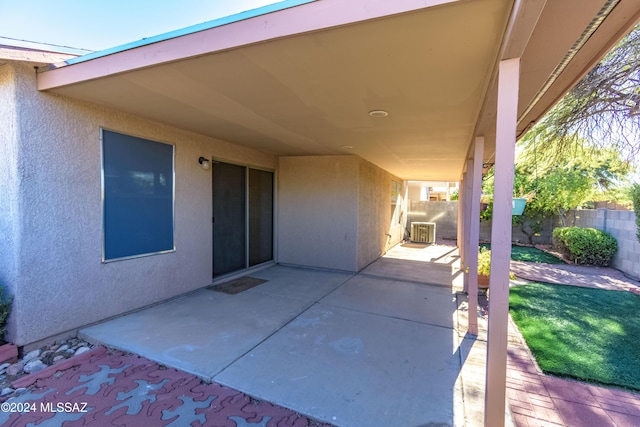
(537, 399)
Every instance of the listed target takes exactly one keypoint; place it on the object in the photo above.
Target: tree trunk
(529, 235)
(563, 218)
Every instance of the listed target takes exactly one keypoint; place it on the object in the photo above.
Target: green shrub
(635, 198)
(585, 245)
(5, 310)
(484, 262)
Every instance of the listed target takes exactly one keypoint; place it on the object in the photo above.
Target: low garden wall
(445, 216)
(621, 224)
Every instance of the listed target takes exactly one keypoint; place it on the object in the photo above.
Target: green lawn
(529, 254)
(584, 333)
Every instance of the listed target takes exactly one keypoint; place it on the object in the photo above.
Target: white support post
(508, 84)
(474, 234)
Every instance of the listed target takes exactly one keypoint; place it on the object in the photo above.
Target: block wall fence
(621, 224)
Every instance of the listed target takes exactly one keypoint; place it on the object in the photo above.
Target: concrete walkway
(576, 275)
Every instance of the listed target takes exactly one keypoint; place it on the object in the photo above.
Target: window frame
(106, 260)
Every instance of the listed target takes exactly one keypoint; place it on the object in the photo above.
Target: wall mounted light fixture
(204, 163)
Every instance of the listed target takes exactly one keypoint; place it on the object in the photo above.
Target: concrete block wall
(443, 214)
(622, 226)
(543, 238)
(585, 218)
(518, 236)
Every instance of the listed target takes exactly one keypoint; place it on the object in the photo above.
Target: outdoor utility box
(423, 232)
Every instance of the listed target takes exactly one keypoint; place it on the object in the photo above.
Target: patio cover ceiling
(301, 81)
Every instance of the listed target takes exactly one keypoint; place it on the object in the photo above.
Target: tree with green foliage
(635, 197)
(587, 174)
(602, 110)
(554, 187)
(562, 189)
(582, 148)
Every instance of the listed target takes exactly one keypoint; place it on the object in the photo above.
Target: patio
(386, 346)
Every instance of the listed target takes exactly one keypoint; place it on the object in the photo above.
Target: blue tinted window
(138, 196)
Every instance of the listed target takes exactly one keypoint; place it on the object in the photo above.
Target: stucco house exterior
(311, 117)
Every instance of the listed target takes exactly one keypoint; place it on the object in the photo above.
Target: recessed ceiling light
(378, 113)
(347, 147)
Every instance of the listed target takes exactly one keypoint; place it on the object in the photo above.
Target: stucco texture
(56, 216)
(379, 228)
(334, 212)
(9, 185)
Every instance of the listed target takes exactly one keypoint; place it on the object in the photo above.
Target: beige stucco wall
(9, 185)
(56, 217)
(317, 211)
(378, 227)
(415, 191)
(334, 212)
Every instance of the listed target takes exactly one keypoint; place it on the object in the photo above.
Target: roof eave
(306, 17)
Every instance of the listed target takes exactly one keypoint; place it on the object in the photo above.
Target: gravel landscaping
(37, 360)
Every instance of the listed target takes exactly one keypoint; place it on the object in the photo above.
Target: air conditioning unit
(423, 232)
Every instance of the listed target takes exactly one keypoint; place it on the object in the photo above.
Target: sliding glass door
(242, 217)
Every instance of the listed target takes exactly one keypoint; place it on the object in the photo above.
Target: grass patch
(529, 254)
(583, 333)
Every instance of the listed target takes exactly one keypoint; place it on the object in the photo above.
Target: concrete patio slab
(200, 333)
(420, 263)
(354, 369)
(357, 356)
(203, 332)
(413, 271)
(433, 305)
(351, 350)
(301, 283)
(445, 252)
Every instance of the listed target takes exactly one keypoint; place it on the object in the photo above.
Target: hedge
(635, 197)
(585, 245)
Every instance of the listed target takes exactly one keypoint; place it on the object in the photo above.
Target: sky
(101, 24)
